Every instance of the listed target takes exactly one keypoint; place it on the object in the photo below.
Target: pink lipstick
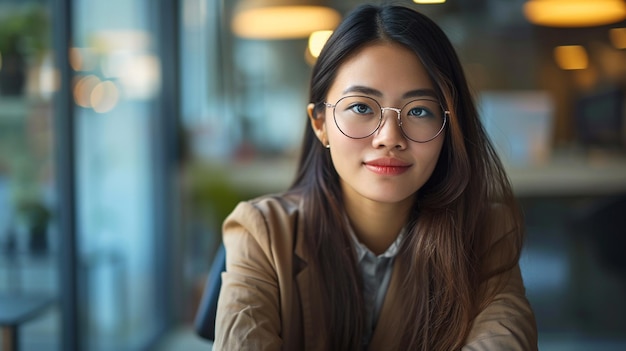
(387, 166)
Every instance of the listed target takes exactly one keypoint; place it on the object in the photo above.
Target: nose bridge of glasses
(394, 109)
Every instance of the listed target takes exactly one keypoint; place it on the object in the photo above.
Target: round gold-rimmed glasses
(357, 117)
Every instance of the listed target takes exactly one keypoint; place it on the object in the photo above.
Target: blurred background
(130, 128)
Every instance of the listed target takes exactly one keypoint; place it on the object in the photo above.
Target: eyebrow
(371, 91)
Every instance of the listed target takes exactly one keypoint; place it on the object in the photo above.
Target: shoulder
(254, 308)
(266, 208)
(267, 218)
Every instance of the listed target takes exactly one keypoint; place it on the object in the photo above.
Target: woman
(400, 230)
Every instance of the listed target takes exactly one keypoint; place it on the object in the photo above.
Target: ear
(318, 123)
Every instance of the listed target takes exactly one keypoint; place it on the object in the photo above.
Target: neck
(376, 224)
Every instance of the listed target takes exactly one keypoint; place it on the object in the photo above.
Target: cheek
(343, 146)
(342, 153)
(427, 155)
(433, 150)
(346, 153)
(336, 139)
(433, 157)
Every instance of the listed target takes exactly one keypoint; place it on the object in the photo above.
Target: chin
(388, 197)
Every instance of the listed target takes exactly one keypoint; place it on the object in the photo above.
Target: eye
(360, 108)
(422, 109)
(419, 111)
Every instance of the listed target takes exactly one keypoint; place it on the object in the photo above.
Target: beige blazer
(269, 298)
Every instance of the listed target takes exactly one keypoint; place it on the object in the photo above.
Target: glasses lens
(357, 116)
(422, 120)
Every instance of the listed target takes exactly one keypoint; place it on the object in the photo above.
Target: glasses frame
(398, 111)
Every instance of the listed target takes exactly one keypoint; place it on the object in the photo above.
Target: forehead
(389, 68)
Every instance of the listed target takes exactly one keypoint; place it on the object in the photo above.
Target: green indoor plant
(35, 216)
(24, 36)
(28, 203)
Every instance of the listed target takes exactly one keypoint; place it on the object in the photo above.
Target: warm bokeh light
(83, 89)
(106, 41)
(43, 79)
(48, 81)
(574, 13)
(76, 59)
(104, 96)
(137, 73)
(429, 1)
(283, 22)
(82, 59)
(570, 57)
(618, 37)
(317, 40)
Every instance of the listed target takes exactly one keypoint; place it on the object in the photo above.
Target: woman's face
(384, 167)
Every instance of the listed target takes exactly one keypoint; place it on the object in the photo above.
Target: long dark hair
(450, 231)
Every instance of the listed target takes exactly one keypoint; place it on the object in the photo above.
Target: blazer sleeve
(248, 306)
(507, 321)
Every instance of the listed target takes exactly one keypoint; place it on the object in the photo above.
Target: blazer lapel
(389, 322)
(308, 290)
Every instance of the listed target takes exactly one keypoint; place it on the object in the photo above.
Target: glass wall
(29, 236)
(116, 87)
(85, 260)
(242, 116)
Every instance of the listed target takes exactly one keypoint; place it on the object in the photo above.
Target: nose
(389, 133)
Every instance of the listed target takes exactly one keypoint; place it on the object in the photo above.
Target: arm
(507, 322)
(248, 306)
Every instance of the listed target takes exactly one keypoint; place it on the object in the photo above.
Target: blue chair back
(204, 322)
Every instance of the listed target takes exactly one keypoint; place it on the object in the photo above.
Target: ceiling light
(570, 57)
(574, 13)
(281, 19)
(317, 40)
(429, 1)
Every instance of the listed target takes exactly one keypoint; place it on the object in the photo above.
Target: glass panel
(209, 133)
(243, 110)
(116, 86)
(28, 235)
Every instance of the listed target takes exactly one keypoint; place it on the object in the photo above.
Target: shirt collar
(362, 250)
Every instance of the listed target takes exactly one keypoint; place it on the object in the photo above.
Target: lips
(387, 166)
